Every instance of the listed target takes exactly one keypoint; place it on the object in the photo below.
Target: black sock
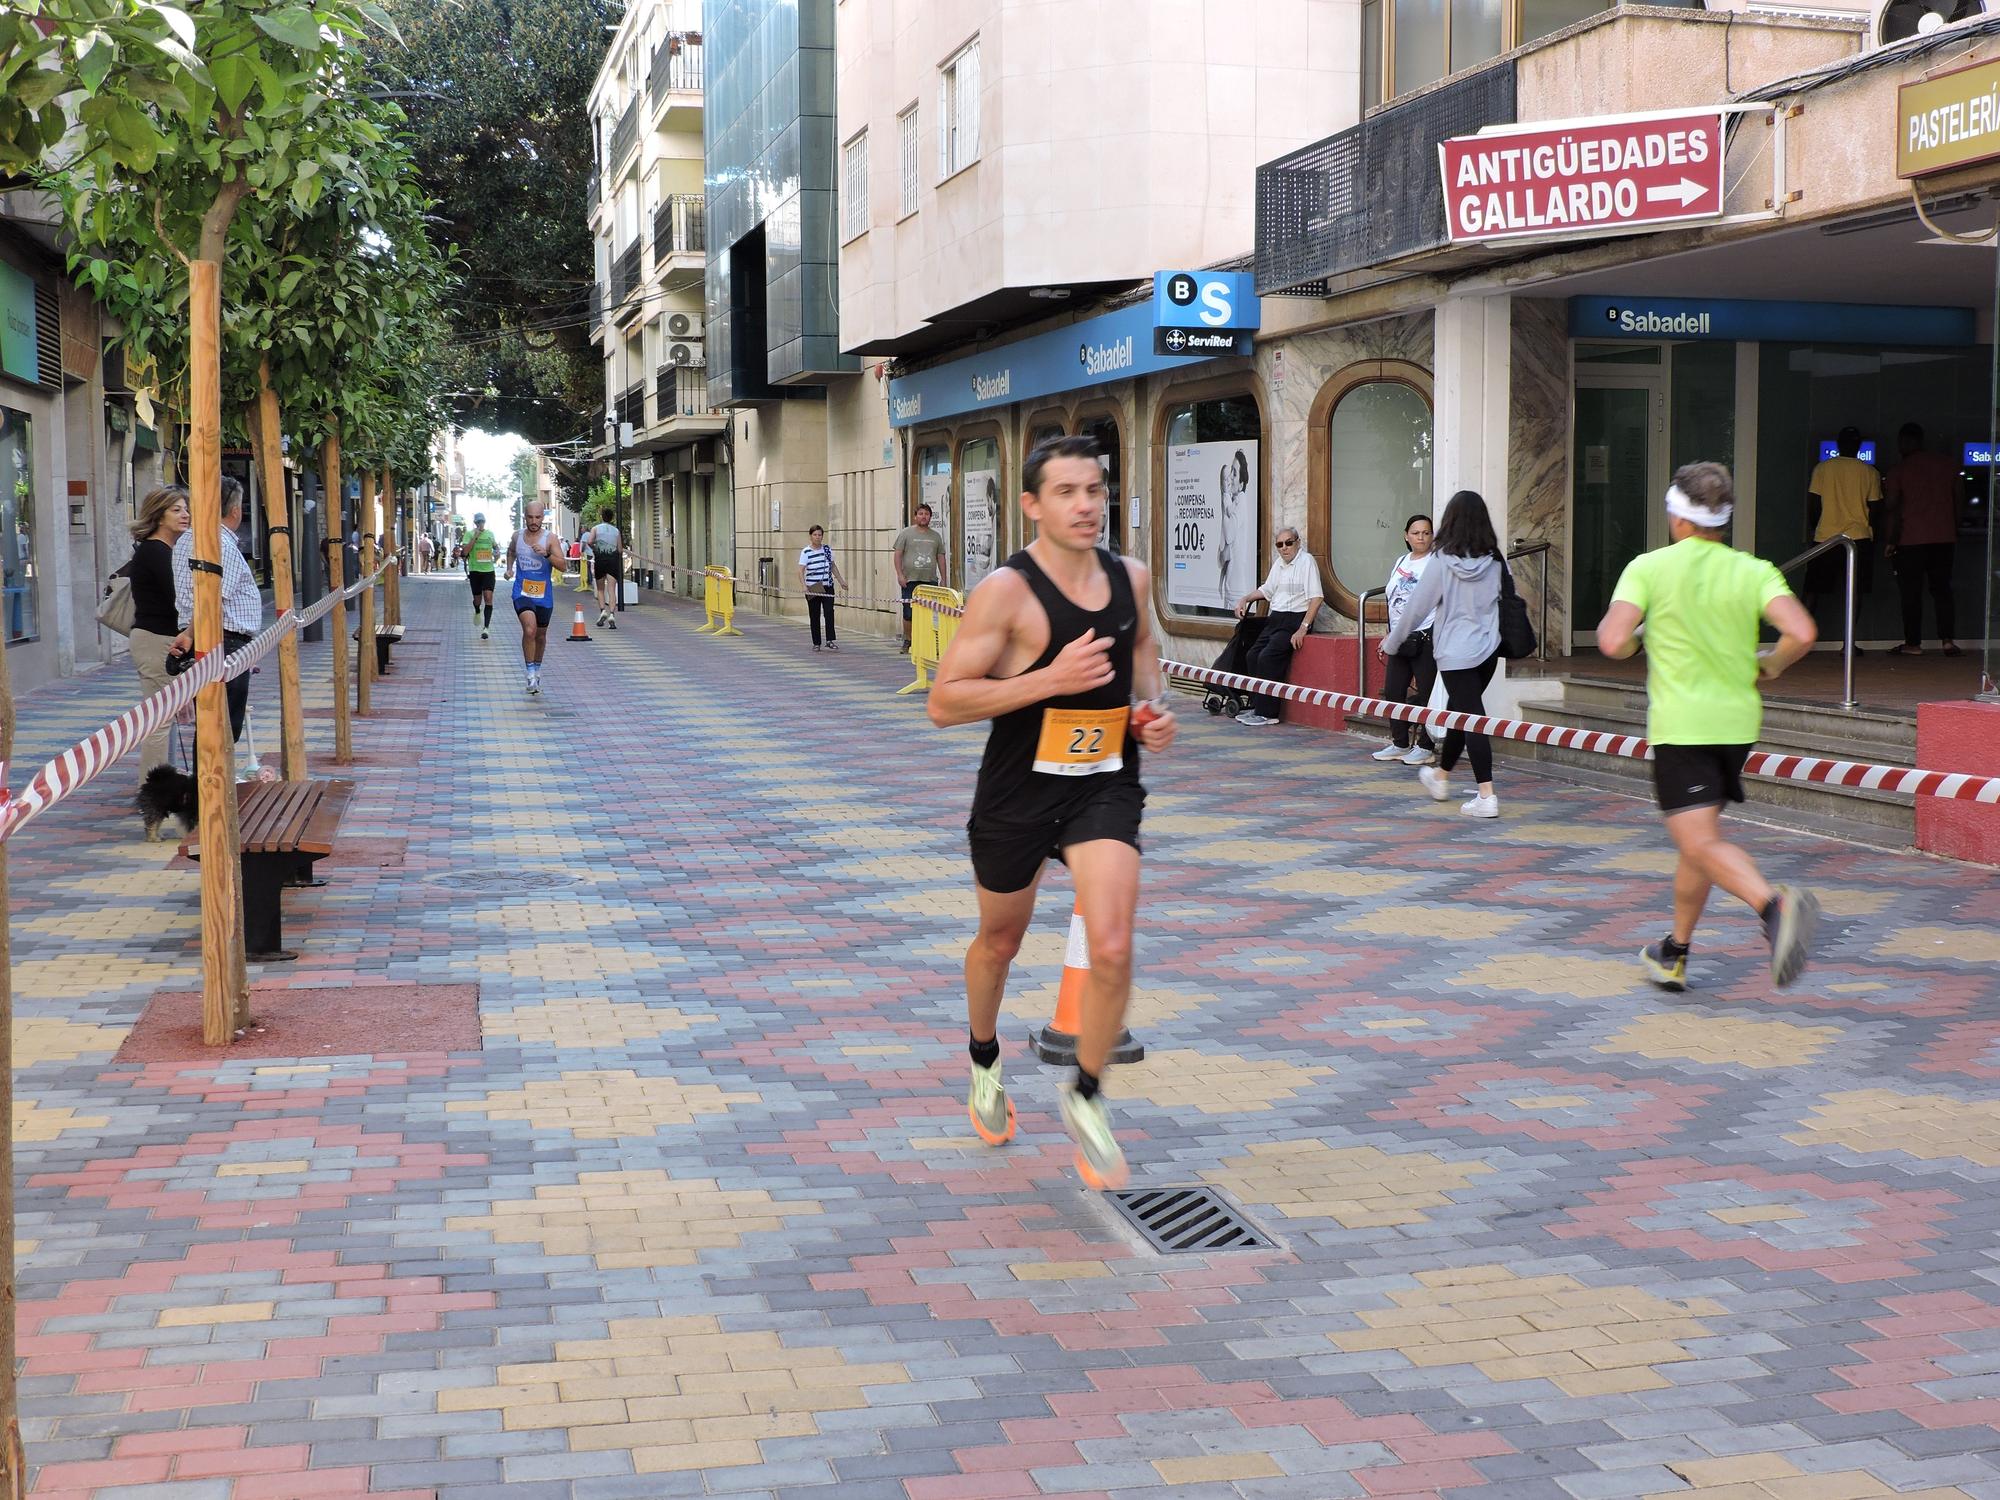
(984, 1054)
(1673, 949)
(489, 614)
(1086, 1084)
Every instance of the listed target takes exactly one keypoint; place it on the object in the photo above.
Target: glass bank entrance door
(1619, 471)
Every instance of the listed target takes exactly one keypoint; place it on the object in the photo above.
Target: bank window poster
(1212, 551)
(982, 519)
(935, 491)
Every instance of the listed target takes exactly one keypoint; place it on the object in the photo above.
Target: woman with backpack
(1463, 585)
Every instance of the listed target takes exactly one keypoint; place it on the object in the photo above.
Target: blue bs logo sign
(1203, 314)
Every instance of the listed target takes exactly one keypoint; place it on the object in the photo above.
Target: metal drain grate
(1176, 1219)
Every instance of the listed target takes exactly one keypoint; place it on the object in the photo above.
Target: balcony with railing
(681, 391)
(624, 277)
(677, 68)
(680, 227)
(625, 136)
(631, 406)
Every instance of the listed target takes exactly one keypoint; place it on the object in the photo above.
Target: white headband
(1678, 504)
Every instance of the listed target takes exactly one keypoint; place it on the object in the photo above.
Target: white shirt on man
(1290, 585)
(242, 605)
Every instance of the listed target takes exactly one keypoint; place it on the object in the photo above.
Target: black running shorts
(1007, 857)
(541, 612)
(609, 565)
(1690, 776)
(482, 583)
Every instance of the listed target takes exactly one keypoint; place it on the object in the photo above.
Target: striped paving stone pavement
(703, 1214)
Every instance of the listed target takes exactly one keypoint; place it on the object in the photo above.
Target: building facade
(1016, 179)
(659, 430)
(78, 447)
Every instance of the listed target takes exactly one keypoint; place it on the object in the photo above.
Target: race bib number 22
(1081, 741)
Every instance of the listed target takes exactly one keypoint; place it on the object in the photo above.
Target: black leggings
(1464, 691)
(820, 607)
(1400, 674)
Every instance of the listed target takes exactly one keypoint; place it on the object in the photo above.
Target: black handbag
(1517, 634)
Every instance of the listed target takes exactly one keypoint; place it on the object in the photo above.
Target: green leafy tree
(501, 135)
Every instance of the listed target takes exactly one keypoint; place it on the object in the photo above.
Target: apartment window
(854, 187)
(908, 147)
(958, 112)
(1406, 44)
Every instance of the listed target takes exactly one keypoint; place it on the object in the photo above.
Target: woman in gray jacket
(1463, 584)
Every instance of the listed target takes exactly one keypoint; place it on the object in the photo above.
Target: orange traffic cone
(576, 630)
(1056, 1042)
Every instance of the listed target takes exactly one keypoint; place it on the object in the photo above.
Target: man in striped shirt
(818, 576)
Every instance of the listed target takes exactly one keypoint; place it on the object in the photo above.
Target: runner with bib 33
(533, 561)
(1055, 648)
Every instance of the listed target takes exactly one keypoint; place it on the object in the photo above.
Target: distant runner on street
(1054, 646)
(482, 552)
(534, 559)
(1698, 603)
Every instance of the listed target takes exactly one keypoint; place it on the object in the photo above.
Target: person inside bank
(1925, 502)
(1844, 496)
(1294, 592)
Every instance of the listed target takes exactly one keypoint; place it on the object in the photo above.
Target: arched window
(1376, 471)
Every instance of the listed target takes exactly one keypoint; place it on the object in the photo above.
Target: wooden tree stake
(271, 474)
(221, 897)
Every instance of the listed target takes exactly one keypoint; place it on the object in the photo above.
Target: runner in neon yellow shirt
(1699, 603)
(482, 556)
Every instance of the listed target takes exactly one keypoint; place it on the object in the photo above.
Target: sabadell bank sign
(1114, 346)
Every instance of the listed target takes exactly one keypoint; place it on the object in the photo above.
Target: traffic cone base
(576, 630)
(1055, 1043)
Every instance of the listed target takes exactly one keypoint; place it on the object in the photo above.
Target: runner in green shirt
(1698, 604)
(482, 556)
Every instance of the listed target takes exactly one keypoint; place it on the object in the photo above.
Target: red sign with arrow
(1583, 177)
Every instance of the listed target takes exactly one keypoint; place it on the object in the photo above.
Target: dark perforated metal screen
(1371, 193)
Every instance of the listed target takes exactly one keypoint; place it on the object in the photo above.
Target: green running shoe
(1791, 933)
(1098, 1160)
(1667, 970)
(991, 1110)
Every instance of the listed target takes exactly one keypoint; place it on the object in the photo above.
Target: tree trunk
(392, 586)
(334, 503)
(271, 472)
(364, 681)
(223, 997)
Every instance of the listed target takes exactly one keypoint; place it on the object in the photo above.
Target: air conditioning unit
(1895, 21)
(685, 352)
(684, 325)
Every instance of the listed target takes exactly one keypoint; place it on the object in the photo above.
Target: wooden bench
(385, 637)
(287, 826)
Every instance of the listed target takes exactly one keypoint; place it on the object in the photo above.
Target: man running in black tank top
(1054, 648)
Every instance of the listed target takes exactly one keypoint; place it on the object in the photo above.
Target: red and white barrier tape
(103, 748)
(1952, 785)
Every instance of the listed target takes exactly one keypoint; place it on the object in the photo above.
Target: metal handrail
(1361, 612)
(1819, 549)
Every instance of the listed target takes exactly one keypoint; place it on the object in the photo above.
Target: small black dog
(168, 793)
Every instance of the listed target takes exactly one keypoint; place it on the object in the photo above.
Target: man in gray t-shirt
(920, 558)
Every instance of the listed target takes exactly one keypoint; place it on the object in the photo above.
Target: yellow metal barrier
(931, 631)
(583, 571)
(718, 602)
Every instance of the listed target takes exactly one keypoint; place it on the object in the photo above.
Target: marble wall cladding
(1538, 458)
(1292, 371)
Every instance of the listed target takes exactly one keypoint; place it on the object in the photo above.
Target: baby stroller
(1229, 702)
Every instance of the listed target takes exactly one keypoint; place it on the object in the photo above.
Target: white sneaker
(1481, 807)
(1388, 752)
(1416, 755)
(1435, 782)
(1251, 717)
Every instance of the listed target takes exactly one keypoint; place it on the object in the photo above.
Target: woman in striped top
(818, 576)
